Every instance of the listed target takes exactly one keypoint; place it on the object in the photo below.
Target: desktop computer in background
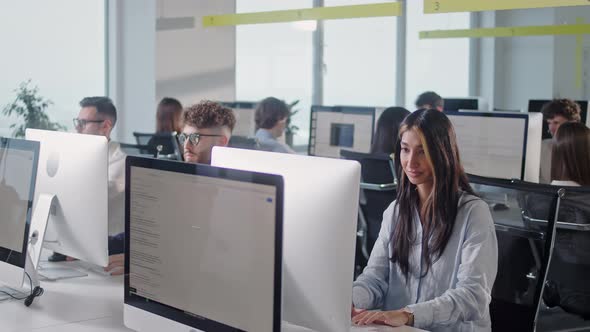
(203, 248)
(333, 128)
(321, 210)
(536, 105)
(244, 112)
(499, 145)
(18, 169)
(467, 103)
(72, 186)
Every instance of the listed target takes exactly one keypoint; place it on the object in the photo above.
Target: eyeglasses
(193, 138)
(81, 123)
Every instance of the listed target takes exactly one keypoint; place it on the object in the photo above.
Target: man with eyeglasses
(206, 124)
(98, 116)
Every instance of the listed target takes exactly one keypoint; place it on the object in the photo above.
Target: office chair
(524, 248)
(161, 145)
(567, 291)
(243, 142)
(137, 150)
(378, 190)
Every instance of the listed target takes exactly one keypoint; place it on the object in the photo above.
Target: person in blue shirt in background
(271, 121)
(435, 261)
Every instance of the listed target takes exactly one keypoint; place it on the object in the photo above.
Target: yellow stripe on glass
(453, 6)
(579, 56)
(321, 13)
(544, 30)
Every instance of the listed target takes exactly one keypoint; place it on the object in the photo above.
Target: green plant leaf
(31, 109)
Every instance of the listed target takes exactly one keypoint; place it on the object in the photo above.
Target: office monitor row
(251, 267)
(53, 189)
(244, 264)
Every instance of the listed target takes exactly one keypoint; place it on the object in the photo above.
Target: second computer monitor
(333, 128)
(203, 248)
(18, 170)
(499, 145)
(467, 103)
(73, 167)
(321, 210)
(244, 112)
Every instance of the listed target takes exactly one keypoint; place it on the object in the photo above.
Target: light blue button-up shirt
(269, 143)
(456, 293)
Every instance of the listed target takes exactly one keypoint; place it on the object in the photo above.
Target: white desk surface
(88, 304)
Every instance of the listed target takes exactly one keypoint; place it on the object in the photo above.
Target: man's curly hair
(209, 114)
(567, 108)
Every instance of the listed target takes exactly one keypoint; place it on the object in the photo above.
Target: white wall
(146, 65)
(198, 63)
(61, 51)
(131, 65)
(523, 68)
(565, 57)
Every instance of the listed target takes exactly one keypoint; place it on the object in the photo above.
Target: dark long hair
(387, 129)
(570, 159)
(440, 209)
(168, 115)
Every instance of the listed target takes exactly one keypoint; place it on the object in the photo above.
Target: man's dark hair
(103, 105)
(430, 98)
(567, 108)
(270, 111)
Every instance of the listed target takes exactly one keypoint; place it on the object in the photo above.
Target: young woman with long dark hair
(570, 160)
(436, 258)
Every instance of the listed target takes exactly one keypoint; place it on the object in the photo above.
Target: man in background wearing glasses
(98, 116)
(206, 124)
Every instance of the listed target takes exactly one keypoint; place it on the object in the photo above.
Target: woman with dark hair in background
(169, 116)
(387, 130)
(567, 284)
(435, 261)
(570, 158)
(168, 120)
(271, 121)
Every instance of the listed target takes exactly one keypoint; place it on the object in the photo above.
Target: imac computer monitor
(203, 248)
(536, 105)
(18, 169)
(321, 210)
(340, 127)
(244, 112)
(73, 167)
(499, 145)
(467, 103)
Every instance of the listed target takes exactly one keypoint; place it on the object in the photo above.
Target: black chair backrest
(376, 169)
(570, 265)
(242, 142)
(136, 150)
(167, 142)
(524, 248)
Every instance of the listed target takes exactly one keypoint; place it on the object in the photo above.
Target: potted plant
(291, 129)
(32, 109)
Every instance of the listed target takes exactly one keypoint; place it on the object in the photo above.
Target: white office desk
(88, 304)
(92, 303)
